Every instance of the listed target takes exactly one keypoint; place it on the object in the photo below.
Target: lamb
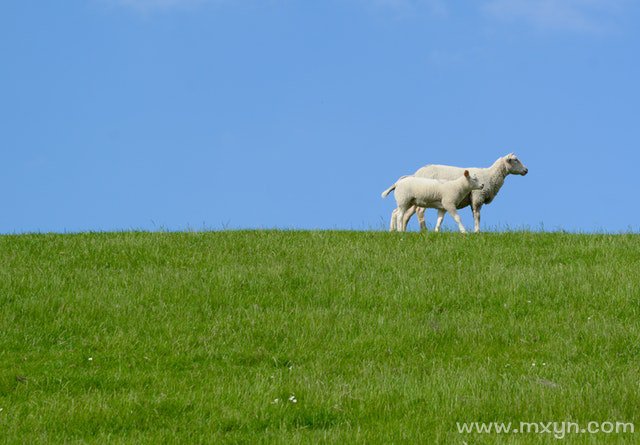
(493, 177)
(411, 191)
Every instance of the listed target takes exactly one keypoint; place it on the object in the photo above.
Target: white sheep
(493, 177)
(413, 191)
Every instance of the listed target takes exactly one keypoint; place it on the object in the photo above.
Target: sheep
(493, 177)
(432, 193)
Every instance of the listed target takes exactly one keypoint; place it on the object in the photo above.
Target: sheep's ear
(466, 173)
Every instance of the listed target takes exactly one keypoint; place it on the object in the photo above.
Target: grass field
(304, 337)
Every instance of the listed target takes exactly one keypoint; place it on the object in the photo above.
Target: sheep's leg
(439, 220)
(399, 221)
(423, 225)
(402, 220)
(476, 218)
(392, 224)
(454, 214)
(408, 214)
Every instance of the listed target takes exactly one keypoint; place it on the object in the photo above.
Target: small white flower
(276, 401)
(90, 359)
(528, 301)
(544, 364)
(533, 364)
(293, 399)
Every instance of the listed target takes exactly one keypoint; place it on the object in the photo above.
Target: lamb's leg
(423, 225)
(408, 214)
(454, 214)
(439, 220)
(392, 224)
(399, 221)
(476, 217)
(403, 220)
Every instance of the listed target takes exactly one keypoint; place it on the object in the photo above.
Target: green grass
(382, 338)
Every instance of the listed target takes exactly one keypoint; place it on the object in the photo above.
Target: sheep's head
(514, 166)
(473, 181)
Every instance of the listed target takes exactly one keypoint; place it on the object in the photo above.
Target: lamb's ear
(466, 173)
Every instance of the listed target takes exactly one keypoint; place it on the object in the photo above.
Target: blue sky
(192, 114)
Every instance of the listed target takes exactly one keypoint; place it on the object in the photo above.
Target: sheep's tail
(393, 187)
(389, 190)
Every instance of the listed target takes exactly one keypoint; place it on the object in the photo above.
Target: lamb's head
(514, 166)
(473, 181)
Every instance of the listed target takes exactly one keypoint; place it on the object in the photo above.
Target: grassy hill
(286, 337)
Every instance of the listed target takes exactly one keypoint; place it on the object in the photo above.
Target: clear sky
(211, 114)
